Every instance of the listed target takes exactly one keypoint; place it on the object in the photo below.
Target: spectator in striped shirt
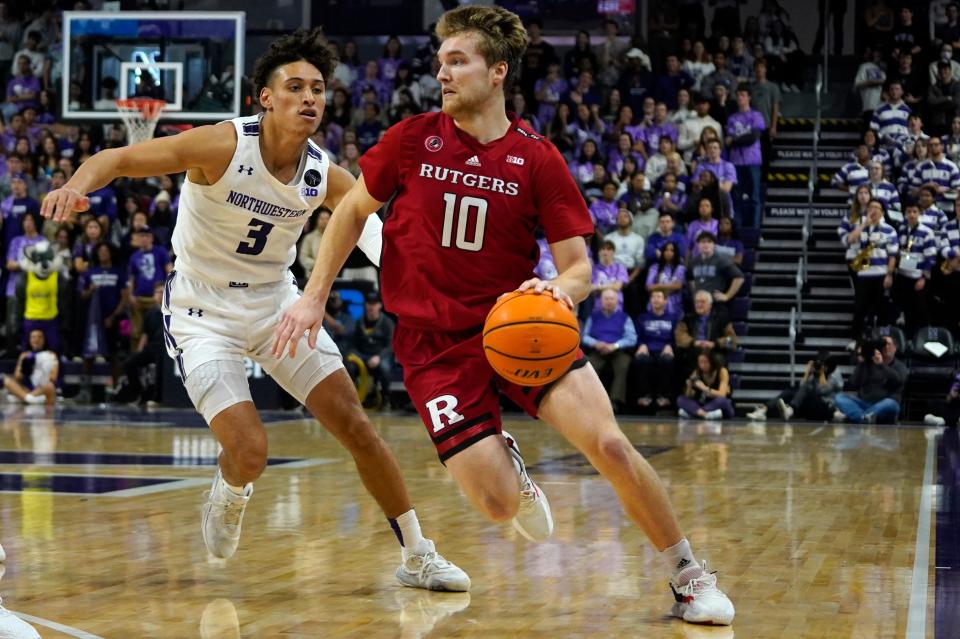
(855, 218)
(877, 152)
(941, 174)
(883, 190)
(930, 215)
(909, 174)
(904, 148)
(853, 174)
(889, 119)
(878, 240)
(918, 253)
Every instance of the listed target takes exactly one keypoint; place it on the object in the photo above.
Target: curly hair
(502, 37)
(309, 46)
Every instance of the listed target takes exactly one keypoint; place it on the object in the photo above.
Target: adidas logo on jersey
(474, 161)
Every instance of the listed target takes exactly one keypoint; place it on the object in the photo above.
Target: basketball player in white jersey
(251, 184)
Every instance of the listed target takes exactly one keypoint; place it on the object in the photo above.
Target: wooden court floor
(812, 528)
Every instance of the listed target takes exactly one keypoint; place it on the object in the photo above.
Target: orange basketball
(530, 339)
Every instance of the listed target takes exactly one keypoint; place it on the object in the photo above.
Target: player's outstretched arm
(207, 148)
(350, 213)
(572, 285)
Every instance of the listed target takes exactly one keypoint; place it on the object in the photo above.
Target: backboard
(191, 60)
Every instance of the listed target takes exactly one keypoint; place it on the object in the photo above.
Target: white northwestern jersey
(244, 228)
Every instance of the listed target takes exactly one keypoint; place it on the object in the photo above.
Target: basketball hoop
(140, 116)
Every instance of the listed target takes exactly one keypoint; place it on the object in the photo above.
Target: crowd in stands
(666, 140)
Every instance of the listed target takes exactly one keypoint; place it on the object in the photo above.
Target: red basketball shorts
(454, 388)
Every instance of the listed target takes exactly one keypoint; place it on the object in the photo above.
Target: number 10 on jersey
(462, 213)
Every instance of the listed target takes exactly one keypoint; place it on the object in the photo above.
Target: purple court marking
(947, 574)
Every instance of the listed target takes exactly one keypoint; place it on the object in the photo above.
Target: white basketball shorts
(205, 323)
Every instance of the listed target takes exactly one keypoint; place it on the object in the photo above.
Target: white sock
(239, 491)
(407, 528)
(678, 556)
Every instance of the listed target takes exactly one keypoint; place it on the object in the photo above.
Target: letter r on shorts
(443, 405)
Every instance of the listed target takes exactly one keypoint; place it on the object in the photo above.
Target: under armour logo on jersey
(474, 161)
(248, 169)
(195, 312)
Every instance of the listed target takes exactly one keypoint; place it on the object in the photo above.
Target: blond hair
(501, 35)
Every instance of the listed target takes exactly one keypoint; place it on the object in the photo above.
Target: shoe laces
(431, 563)
(703, 585)
(232, 510)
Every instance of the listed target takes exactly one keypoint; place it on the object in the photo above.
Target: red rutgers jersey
(460, 229)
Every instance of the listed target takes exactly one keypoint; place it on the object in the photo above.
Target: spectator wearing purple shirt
(654, 359)
(704, 222)
(371, 80)
(14, 207)
(103, 203)
(15, 251)
(582, 167)
(22, 91)
(669, 84)
(604, 210)
(667, 275)
(659, 238)
(624, 150)
(661, 127)
(744, 129)
(727, 242)
(548, 91)
(724, 171)
(608, 274)
(148, 265)
(546, 268)
(670, 198)
(105, 287)
(390, 61)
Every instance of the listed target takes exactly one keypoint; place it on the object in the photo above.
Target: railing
(814, 174)
(793, 346)
(799, 281)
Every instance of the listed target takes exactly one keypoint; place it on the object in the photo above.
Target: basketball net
(140, 117)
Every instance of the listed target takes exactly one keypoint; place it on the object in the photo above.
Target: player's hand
(539, 286)
(60, 204)
(877, 358)
(306, 314)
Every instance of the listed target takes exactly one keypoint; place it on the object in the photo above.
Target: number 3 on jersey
(259, 230)
(463, 219)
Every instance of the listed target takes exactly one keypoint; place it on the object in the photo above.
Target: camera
(869, 347)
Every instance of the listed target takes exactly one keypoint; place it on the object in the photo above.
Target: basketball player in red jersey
(469, 186)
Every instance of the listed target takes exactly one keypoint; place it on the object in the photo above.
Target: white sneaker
(3, 554)
(839, 416)
(11, 398)
(13, 627)
(222, 515)
(759, 414)
(713, 414)
(785, 409)
(426, 568)
(934, 420)
(534, 520)
(35, 399)
(683, 413)
(698, 599)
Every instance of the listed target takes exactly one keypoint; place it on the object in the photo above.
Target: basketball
(530, 339)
